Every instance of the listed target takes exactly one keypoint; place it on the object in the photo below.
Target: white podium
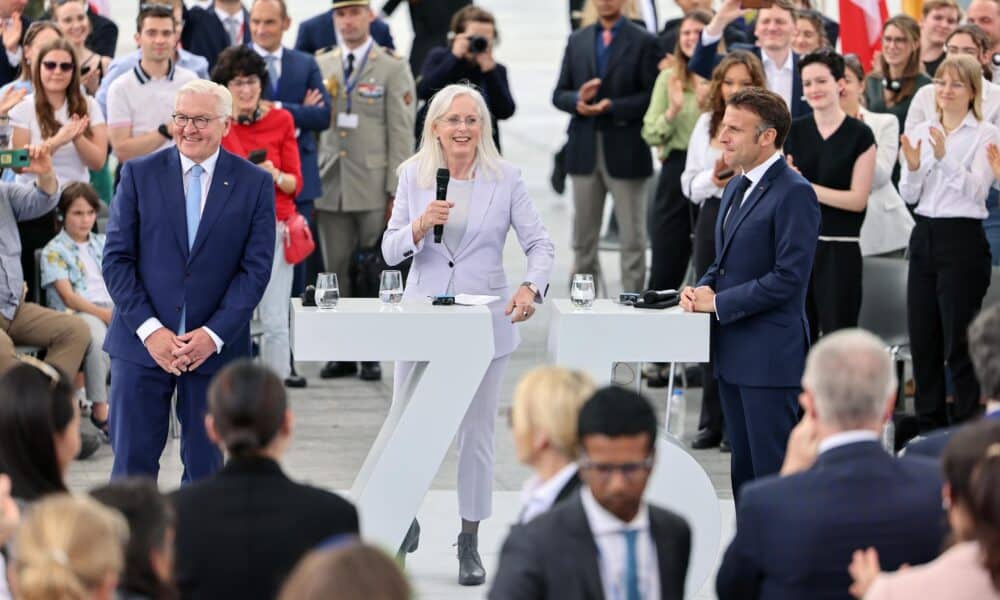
(591, 340)
(452, 346)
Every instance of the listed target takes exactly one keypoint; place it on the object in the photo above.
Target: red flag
(861, 28)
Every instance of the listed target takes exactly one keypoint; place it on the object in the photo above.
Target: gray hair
(430, 156)
(984, 350)
(851, 378)
(224, 100)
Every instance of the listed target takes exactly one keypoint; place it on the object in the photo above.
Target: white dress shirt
(956, 185)
(359, 55)
(779, 77)
(538, 496)
(696, 180)
(923, 108)
(844, 438)
(152, 324)
(240, 24)
(612, 552)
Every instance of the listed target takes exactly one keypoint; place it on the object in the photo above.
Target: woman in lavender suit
(486, 197)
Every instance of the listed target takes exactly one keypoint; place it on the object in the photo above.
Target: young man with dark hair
(767, 233)
(607, 539)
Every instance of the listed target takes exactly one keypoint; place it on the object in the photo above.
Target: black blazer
(933, 444)
(628, 82)
(555, 556)
(205, 35)
(795, 535)
(240, 533)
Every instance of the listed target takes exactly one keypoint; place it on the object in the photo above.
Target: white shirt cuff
(707, 39)
(14, 58)
(277, 104)
(715, 307)
(215, 338)
(147, 328)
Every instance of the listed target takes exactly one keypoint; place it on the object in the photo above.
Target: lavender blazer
(498, 203)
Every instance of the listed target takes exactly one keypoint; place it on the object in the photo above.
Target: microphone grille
(443, 173)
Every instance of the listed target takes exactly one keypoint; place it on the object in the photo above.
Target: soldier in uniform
(371, 133)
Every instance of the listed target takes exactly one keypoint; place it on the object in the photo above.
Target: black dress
(834, 298)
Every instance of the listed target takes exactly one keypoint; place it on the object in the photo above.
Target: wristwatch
(162, 130)
(530, 286)
(277, 181)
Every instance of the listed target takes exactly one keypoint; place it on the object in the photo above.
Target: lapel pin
(225, 183)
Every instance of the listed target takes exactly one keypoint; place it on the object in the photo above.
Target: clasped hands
(587, 92)
(178, 354)
(698, 299)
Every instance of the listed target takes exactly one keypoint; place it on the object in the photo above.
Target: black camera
(477, 44)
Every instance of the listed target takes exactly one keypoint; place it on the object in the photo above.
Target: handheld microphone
(654, 296)
(442, 190)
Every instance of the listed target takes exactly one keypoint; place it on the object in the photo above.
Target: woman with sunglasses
(59, 115)
(267, 137)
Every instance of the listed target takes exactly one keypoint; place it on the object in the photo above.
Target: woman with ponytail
(68, 548)
(240, 533)
(970, 568)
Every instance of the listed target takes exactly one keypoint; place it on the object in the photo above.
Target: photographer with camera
(469, 59)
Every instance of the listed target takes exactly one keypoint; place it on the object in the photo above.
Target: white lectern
(452, 346)
(592, 340)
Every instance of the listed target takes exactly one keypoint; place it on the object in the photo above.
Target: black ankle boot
(470, 566)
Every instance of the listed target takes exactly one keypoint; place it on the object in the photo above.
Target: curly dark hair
(239, 61)
(824, 56)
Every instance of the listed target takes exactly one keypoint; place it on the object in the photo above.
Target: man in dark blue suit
(317, 33)
(984, 350)
(208, 31)
(765, 240)
(297, 86)
(775, 30)
(839, 490)
(188, 256)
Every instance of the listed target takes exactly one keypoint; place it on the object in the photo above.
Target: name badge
(347, 120)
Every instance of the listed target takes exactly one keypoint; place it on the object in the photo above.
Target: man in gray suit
(606, 542)
(371, 133)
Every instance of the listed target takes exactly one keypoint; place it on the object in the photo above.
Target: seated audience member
(970, 568)
(810, 35)
(64, 337)
(39, 429)
(260, 126)
(241, 532)
(984, 350)
(72, 280)
(606, 541)
(543, 416)
(464, 62)
(38, 34)
(71, 17)
(68, 548)
(126, 63)
(838, 489)
(149, 553)
(346, 573)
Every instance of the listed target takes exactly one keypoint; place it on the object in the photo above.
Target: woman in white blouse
(704, 177)
(946, 173)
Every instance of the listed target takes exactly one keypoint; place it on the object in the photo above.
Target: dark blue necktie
(742, 185)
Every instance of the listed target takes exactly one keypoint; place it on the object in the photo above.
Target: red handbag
(299, 242)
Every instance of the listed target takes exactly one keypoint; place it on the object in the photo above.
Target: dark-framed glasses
(200, 122)
(631, 471)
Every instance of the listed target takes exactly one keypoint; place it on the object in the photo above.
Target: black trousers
(710, 417)
(670, 226)
(949, 273)
(834, 298)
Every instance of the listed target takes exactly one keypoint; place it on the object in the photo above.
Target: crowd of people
(144, 301)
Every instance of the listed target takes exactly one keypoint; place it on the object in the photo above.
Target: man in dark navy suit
(775, 30)
(208, 31)
(188, 256)
(317, 33)
(297, 86)
(839, 490)
(765, 240)
(984, 350)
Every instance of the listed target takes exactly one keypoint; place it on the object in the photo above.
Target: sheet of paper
(474, 300)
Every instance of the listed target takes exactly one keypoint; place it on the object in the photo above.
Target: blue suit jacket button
(722, 272)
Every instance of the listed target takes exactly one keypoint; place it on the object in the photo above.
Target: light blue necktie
(192, 202)
(272, 70)
(631, 566)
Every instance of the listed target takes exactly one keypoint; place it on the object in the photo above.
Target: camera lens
(477, 44)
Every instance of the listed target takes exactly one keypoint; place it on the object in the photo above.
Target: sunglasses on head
(51, 65)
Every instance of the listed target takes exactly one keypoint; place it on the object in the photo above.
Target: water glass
(327, 291)
(582, 292)
(390, 287)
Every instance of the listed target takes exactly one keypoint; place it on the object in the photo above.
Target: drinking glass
(327, 291)
(390, 287)
(582, 292)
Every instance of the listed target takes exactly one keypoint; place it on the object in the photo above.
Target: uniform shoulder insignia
(391, 53)
(323, 51)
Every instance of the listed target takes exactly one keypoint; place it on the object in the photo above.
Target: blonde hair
(630, 10)
(66, 548)
(430, 156)
(548, 400)
(224, 100)
(968, 71)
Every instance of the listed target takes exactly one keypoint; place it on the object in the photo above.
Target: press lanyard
(348, 86)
